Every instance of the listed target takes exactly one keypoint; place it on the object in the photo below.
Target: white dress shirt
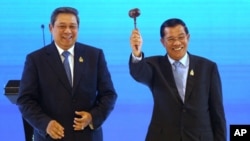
(71, 58)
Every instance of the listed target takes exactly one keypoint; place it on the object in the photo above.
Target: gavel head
(133, 13)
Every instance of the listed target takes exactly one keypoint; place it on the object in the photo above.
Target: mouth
(67, 37)
(177, 49)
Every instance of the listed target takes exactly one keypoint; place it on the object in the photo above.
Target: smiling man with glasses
(187, 90)
(66, 92)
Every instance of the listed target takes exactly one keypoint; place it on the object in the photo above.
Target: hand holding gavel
(135, 38)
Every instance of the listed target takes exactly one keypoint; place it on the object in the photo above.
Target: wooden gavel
(133, 13)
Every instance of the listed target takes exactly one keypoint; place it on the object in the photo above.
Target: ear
(162, 42)
(50, 28)
(188, 37)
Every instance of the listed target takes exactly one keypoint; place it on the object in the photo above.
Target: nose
(177, 42)
(67, 30)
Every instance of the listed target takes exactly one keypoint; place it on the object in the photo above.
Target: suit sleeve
(216, 107)
(106, 95)
(140, 70)
(27, 100)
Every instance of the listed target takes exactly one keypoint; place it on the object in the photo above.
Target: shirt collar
(184, 60)
(70, 50)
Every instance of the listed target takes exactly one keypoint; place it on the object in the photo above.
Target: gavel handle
(135, 23)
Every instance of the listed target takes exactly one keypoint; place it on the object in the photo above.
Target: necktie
(66, 65)
(178, 76)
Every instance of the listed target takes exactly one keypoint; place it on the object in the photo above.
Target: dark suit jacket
(200, 118)
(45, 92)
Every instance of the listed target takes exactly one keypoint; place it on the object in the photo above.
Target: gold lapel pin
(81, 59)
(192, 72)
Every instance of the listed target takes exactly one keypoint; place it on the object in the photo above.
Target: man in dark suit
(57, 106)
(188, 103)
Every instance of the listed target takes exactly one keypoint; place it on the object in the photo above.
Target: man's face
(175, 41)
(65, 30)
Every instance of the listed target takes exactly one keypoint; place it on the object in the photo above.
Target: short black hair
(59, 10)
(172, 23)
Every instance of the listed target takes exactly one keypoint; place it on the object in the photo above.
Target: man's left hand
(82, 121)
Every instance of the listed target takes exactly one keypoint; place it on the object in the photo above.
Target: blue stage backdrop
(219, 31)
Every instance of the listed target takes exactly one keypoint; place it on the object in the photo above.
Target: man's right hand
(136, 42)
(55, 130)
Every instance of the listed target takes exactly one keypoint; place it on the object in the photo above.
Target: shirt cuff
(136, 59)
(91, 126)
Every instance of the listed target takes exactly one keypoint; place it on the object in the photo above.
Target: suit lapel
(167, 72)
(55, 62)
(79, 64)
(191, 77)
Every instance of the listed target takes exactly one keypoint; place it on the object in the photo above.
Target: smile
(67, 37)
(177, 49)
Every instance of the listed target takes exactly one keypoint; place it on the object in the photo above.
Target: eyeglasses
(64, 27)
(173, 39)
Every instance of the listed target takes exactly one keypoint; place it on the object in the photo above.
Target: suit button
(184, 110)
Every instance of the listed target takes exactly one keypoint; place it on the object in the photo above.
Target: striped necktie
(179, 76)
(66, 54)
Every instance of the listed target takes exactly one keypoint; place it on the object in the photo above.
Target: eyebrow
(67, 24)
(177, 36)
